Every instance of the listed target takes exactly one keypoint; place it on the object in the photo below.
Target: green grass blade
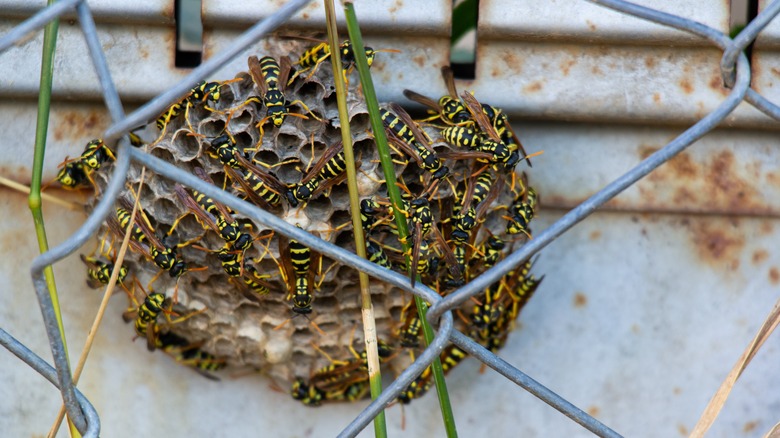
(395, 195)
(34, 199)
(369, 323)
(464, 19)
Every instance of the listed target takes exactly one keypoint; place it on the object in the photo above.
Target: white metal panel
(766, 61)
(430, 17)
(640, 315)
(604, 83)
(585, 22)
(141, 61)
(770, 36)
(725, 173)
(637, 321)
(149, 12)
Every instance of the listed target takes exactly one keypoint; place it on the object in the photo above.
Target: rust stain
(595, 234)
(594, 411)
(657, 97)
(676, 390)
(495, 72)
(774, 275)
(750, 426)
(682, 429)
(725, 184)
(775, 71)
(419, 60)
(649, 62)
(644, 152)
(683, 166)
(168, 12)
(580, 300)
(716, 243)
(398, 5)
(635, 329)
(591, 25)
(683, 196)
(533, 87)
(766, 227)
(305, 15)
(760, 256)
(716, 83)
(686, 86)
(566, 66)
(513, 62)
(647, 194)
(596, 70)
(71, 125)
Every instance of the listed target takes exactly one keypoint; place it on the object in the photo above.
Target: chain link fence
(736, 74)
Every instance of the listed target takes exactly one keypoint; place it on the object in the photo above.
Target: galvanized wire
(736, 75)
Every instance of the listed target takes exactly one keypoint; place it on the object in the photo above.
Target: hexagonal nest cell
(224, 319)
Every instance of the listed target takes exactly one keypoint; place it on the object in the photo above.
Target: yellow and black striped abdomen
(124, 218)
(397, 126)
(334, 167)
(463, 136)
(313, 56)
(270, 69)
(300, 257)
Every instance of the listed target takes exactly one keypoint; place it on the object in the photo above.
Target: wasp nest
(226, 318)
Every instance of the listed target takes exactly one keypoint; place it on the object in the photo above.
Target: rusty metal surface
(770, 36)
(430, 18)
(635, 84)
(728, 172)
(585, 22)
(150, 12)
(136, 54)
(619, 330)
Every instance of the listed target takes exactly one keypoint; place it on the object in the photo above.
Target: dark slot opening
(463, 44)
(189, 33)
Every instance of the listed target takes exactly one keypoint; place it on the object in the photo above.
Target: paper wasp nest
(244, 330)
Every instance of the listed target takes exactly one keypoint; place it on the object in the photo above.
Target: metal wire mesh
(736, 75)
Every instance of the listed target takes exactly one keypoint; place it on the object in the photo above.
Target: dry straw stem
(102, 309)
(774, 432)
(19, 187)
(369, 322)
(719, 399)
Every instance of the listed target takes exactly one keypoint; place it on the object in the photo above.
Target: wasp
(408, 137)
(522, 210)
(500, 122)
(187, 354)
(449, 108)
(72, 175)
(327, 172)
(297, 271)
(342, 373)
(450, 357)
(420, 225)
(144, 241)
(481, 136)
(261, 187)
(271, 79)
(77, 172)
(99, 272)
(145, 317)
(309, 395)
(199, 94)
(376, 254)
(479, 189)
(491, 251)
(212, 214)
(316, 55)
